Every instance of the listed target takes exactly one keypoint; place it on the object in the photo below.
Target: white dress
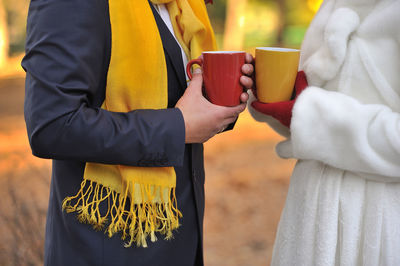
(343, 203)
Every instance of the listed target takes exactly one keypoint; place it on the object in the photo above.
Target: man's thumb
(197, 80)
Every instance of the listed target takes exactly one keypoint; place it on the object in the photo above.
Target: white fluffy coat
(343, 203)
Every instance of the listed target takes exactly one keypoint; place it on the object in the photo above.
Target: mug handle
(189, 66)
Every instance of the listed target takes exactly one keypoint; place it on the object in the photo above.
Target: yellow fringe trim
(136, 222)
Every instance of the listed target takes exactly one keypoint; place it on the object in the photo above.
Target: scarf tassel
(136, 222)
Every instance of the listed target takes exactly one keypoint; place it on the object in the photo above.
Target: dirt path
(246, 185)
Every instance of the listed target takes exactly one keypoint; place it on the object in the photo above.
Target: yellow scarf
(141, 200)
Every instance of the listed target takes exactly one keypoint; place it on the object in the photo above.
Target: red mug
(221, 74)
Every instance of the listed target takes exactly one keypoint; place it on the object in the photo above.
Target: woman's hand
(282, 111)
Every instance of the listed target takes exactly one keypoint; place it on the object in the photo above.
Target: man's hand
(203, 119)
(248, 70)
(247, 79)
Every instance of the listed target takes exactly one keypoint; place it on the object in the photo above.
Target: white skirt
(335, 217)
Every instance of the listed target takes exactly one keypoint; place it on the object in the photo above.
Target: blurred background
(246, 183)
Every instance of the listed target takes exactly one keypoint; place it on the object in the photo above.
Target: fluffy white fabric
(343, 204)
(338, 130)
(324, 64)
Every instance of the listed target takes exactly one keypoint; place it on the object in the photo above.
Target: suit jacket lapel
(171, 47)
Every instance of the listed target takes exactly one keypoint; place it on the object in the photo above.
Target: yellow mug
(276, 70)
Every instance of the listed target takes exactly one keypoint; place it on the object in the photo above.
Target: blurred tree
(3, 35)
(314, 4)
(298, 16)
(16, 12)
(217, 13)
(245, 24)
(282, 22)
(261, 24)
(234, 25)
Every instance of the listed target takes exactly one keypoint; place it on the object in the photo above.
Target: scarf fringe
(136, 222)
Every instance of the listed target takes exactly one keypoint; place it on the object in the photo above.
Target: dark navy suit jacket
(67, 57)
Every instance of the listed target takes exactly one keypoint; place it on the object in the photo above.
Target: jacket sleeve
(340, 131)
(67, 57)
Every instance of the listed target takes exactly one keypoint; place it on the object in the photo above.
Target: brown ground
(246, 186)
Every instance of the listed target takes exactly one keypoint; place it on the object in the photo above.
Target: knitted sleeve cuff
(260, 117)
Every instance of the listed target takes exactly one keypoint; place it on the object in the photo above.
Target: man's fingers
(249, 58)
(233, 112)
(227, 122)
(244, 97)
(197, 81)
(246, 82)
(197, 72)
(248, 69)
(240, 108)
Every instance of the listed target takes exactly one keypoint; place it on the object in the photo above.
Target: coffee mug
(221, 74)
(276, 70)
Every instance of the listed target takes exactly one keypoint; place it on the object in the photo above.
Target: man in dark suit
(67, 57)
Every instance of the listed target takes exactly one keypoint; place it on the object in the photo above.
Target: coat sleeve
(66, 62)
(340, 131)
